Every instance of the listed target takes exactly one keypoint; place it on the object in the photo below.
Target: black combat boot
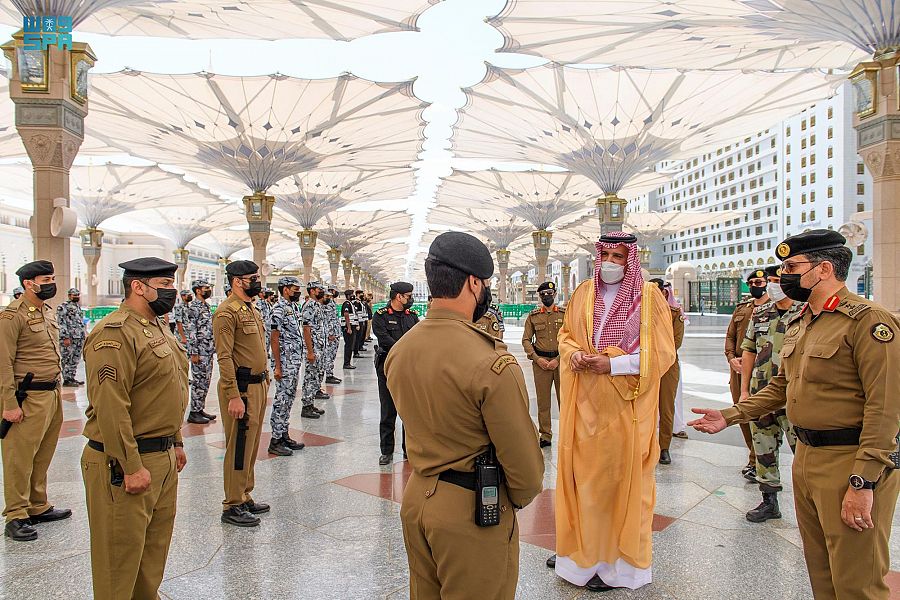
(279, 448)
(292, 444)
(309, 412)
(332, 380)
(768, 509)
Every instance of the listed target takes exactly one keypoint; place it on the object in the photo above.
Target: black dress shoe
(20, 530)
(546, 443)
(207, 415)
(665, 458)
(256, 508)
(349, 367)
(598, 585)
(292, 444)
(237, 516)
(197, 418)
(333, 380)
(308, 412)
(551, 562)
(385, 459)
(51, 514)
(279, 448)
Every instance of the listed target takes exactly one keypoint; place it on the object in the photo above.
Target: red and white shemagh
(623, 323)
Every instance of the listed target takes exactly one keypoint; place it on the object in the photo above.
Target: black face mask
(757, 292)
(45, 291)
(320, 294)
(483, 304)
(206, 295)
(254, 289)
(188, 299)
(790, 285)
(328, 300)
(295, 297)
(76, 300)
(165, 300)
(547, 301)
(409, 304)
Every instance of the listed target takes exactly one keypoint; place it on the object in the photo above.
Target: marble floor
(334, 529)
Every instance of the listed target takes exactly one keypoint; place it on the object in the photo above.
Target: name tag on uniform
(157, 342)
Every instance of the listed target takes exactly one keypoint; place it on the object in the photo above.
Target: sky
(448, 53)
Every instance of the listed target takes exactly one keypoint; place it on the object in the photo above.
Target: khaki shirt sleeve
(505, 413)
(678, 329)
(110, 376)
(224, 325)
(527, 336)
(9, 340)
(772, 397)
(877, 363)
(731, 338)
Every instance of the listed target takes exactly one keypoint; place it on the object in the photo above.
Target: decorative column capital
(258, 209)
(308, 239)
(347, 263)
(91, 238)
(503, 259)
(542, 239)
(181, 256)
(334, 256)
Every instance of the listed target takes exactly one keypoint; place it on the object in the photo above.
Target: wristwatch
(858, 483)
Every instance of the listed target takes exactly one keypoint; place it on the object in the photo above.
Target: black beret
(240, 268)
(401, 287)
(802, 243)
(148, 267)
(547, 285)
(35, 269)
(773, 271)
(756, 274)
(464, 252)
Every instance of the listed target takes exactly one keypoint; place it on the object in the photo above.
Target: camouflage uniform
(265, 311)
(70, 318)
(197, 323)
(313, 316)
(178, 315)
(332, 328)
(285, 319)
(764, 337)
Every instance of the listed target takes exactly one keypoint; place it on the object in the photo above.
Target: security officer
(460, 393)
(178, 314)
(200, 349)
(492, 322)
(668, 385)
(239, 334)
(72, 332)
(737, 327)
(134, 453)
(312, 317)
(18, 291)
(265, 306)
(390, 324)
(539, 340)
(839, 382)
(287, 353)
(362, 316)
(349, 327)
(333, 328)
(29, 346)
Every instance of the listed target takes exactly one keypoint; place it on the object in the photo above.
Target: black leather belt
(460, 478)
(258, 378)
(42, 386)
(828, 437)
(543, 354)
(145, 445)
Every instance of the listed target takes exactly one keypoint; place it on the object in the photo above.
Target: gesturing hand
(711, 422)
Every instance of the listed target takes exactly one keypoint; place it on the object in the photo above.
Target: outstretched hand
(711, 422)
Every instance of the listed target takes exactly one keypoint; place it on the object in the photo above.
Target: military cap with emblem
(241, 268)
(314, 284)
(35, 269)
(401, 287)
(73, 292)
(756, 274)
(148, 268)
(463, 252)
(547, 285)
(773, 271)
(199, 283)
(810, 241)
(288, 280)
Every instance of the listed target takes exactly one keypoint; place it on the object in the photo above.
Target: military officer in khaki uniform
(668, 385)
(239, 334)
(838, 380)
(32, 408)
(459, 393)
(734, 336)
(542, 348)
(137, 385)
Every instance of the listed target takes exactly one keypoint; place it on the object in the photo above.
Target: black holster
(21, 394)
(242, 374)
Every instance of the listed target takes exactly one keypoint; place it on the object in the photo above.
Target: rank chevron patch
(107, 372)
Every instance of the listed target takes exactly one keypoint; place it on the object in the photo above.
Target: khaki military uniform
(737, 328)
(137, 385)
(29, 343)
(458, 390)
(839, 370)
(540, 341)
(490, 324)
(668, 385)
(239, 335)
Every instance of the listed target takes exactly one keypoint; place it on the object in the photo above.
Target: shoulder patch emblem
(794, 330)
(503, 362)
(495, 326)
(681, 318)
(107, 344)
(107, 372)
(883, 333)
(7, 315)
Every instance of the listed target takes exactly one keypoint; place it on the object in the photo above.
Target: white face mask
(611, 273)
(775, 292)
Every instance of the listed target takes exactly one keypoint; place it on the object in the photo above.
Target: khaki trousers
(27, 451)
(668, 387)
(543, 381)
(239, 484)
(843, 564)
(130, 533)
(734, 382)
(451, 558)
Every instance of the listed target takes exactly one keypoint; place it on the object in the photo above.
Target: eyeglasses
(251, 279)
(788, 267)
(547, 293)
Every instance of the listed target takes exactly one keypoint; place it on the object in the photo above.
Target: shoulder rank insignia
(7, 315)
(107, 344)
(831, 304)
(883, 333)
(107, 372)
(503, 362)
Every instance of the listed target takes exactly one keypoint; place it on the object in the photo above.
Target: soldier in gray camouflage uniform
(264, 305)
(197, 325)
(18, 291)
(333, 329)
(287, 348)
(72, 332)
(178, 316)
(314, 335)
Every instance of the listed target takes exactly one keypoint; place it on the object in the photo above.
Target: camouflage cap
(185, 292)
(18, 290)
(199, 283)
(314, 284)
(288, 280)
(73, 292)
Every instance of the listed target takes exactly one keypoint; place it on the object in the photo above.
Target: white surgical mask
(775, 292)
(611, 273)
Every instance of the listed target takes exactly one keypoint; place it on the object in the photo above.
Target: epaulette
(116, 318)
(536, 311)
(748, 301)
(853, 306)
(799, 314)
(381, 310)
(15, 304)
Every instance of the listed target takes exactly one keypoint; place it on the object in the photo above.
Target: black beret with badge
(401, 287)
(463, 252)
(148, 267)
(756, 274)
(35, 269)
(547, 285)
(241, 268)
(810, 241)
(773, 271)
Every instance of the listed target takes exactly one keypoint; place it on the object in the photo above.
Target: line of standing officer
(350, 327)
(333, 332)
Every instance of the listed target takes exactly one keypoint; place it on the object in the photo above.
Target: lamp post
(91, 248)
(308, 239)
(220, 276)
(611, 213)
(334, 263)
(503, 267)
(181, 259)
(542, 239)
(258, 211)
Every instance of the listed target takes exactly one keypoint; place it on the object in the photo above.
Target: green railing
(510, 311)
(98, 312)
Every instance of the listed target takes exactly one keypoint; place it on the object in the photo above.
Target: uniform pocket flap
(37, 327)
(540, 327)
(823, 351)
(162, 351)
(787, 350)
(248, 329)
